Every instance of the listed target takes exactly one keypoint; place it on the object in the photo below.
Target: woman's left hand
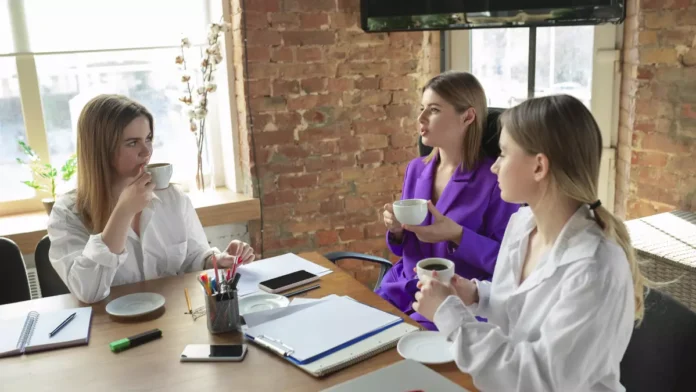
(431, 295)
(236, 250)
(442, 229)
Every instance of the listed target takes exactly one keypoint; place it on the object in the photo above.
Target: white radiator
(34, 287)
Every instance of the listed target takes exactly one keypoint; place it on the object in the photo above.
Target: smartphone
(214, 353)
(285, 282)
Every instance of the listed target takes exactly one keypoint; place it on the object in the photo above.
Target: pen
(134, 341)
(63, 324)
(206, 287)
(235, 281)
(215, 268)
(188, 300)
(306, 289)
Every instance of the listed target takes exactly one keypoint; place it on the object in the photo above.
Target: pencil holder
(222, 312)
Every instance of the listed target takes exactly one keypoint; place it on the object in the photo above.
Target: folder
(323, 329)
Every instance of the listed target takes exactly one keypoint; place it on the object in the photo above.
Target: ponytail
(615, 229)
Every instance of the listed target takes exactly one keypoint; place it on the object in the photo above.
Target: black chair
(491, 136)
(51, 284)
(661, 355)
(14, 284)
(384, 264)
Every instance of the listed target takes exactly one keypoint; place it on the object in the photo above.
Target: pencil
(188, 300)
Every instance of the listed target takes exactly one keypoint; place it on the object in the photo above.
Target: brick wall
(334, 120)
(656, 169)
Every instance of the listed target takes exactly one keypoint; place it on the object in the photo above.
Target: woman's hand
(136, 196)
(431, 295)
(393, 225)
(236, 250)
(442, 229)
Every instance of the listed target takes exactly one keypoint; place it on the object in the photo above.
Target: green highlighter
(133, 341)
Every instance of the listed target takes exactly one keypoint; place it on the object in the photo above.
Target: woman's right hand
(393, 225)
(466, 290)
(136, 196)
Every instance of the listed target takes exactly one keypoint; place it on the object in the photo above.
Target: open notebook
(30, 334)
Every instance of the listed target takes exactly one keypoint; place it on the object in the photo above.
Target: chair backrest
(489, 141)
(51, 284)
(14, 284)
(661, 355)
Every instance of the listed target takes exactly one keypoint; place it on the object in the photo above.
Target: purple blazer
(472, 199)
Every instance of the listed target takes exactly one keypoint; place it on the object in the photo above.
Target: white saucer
(133, 305)
(428, 347)
(260, 302)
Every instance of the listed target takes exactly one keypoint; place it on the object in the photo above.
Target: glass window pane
(564, 61)
(11, 131)
(148, 76)
(6, 43)
(71, 25)
(500, 60)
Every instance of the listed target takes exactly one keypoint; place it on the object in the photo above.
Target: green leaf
(27, 150)
(69, 168)
(32, 184)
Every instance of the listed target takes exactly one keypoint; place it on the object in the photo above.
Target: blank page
(9, 336)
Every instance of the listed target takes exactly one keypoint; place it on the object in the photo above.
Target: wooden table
(155, 366)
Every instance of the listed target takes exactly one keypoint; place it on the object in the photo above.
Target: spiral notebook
(31, 333)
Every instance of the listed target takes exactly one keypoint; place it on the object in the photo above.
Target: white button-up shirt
(565, 328)
(171, 242)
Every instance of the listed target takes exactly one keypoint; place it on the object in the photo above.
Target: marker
(134, 341)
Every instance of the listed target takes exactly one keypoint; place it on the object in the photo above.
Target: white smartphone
(286, 282)
(214, 353)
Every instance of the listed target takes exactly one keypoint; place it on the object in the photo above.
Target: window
(563, 63)
(517, 63)
(69, 51)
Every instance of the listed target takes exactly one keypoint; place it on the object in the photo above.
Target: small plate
(260, 302)
(134, 305)
(428, 347)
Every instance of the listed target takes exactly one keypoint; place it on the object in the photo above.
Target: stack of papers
(259, 271)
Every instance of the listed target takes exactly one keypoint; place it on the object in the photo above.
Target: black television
(409, 15)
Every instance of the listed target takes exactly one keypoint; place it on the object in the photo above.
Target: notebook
(320, 329)
(402, 376)
(30, 334)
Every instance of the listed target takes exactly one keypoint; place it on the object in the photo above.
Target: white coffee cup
(443, 275)
(410, 211)
(161, 174)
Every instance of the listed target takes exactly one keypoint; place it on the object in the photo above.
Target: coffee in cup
(443, 267)
(410, 211)
(161, 174)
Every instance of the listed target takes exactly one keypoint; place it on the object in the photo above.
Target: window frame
(226, 168)
(606, 77)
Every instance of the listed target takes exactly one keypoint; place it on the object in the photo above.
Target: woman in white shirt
(566, 289)
(115, 228)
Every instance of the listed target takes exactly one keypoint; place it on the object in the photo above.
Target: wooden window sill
(215, 208)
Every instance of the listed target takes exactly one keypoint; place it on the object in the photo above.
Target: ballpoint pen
(63, 324)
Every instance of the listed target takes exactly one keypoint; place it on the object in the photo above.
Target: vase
(204, 176)
(48, 205)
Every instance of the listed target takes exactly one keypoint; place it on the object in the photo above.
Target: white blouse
(565, 328)
(172, 242)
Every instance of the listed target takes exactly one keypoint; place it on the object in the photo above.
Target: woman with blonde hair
(467, 217)
(566, 290)
(115, 228)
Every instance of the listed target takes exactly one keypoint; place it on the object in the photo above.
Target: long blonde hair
(99, 130)
(564, 130)
(463, 91)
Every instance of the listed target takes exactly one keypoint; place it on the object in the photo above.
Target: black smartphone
(214, 352)
(286, 282)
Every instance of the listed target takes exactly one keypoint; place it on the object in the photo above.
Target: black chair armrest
(384, 264)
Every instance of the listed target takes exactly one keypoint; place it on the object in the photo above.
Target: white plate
(429, 347)
(260, 302)
(133, 305)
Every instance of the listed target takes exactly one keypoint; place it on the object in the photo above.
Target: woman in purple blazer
(467, 218)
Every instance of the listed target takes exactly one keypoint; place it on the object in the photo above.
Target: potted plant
(48, 172)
